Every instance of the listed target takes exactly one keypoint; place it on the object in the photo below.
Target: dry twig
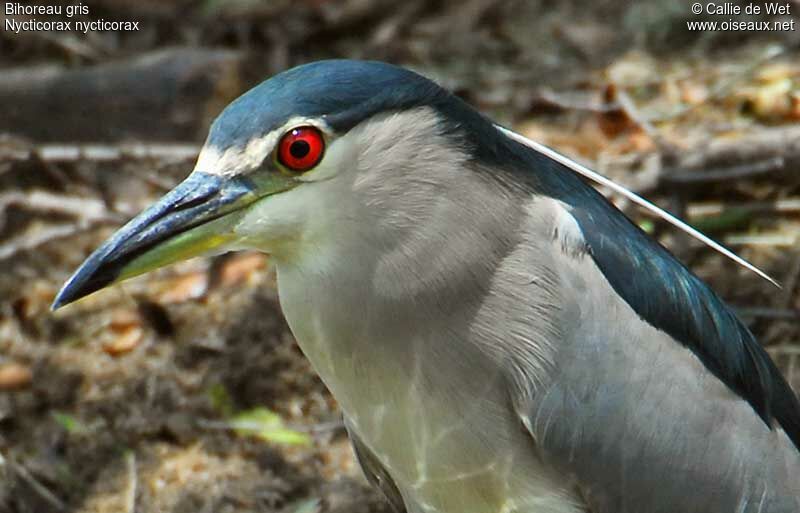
(130, 498)
(33, 238)
(36, 486)
(572, 101)
(735, 172)
(781, 206)
(176, 152)
(87, 210)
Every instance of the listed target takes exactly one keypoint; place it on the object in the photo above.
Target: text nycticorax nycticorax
(500, 338)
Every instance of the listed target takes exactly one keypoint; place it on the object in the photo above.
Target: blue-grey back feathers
(662, 291)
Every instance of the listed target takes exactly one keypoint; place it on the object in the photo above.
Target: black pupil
(299, 149)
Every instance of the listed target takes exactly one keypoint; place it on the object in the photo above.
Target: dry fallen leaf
(776, 71)
(638, 142)
(124, 318)
(240, 268)
(14, 376)
(181, 288)
(124, 341)
(794, 113)
(693, 93)
(771, 101)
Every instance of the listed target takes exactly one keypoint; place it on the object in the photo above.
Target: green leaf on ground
(220, 399)
(268, 426)
(70, 424)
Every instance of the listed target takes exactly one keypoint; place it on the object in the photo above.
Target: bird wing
(375, 473)
(659, 398)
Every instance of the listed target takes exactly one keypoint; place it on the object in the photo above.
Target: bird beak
(196, 217)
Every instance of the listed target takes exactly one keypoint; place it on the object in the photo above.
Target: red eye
(301, 148)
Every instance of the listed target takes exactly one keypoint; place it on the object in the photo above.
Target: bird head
(312, 153)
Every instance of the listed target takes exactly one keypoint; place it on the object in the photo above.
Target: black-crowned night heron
(500, 338)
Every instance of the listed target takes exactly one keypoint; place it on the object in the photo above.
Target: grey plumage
(521, 330)
(499, 337)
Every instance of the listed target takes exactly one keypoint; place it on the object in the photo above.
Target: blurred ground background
(183, 391)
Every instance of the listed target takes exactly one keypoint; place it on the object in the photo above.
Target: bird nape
(498, 335)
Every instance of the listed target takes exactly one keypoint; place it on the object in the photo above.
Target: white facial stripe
(237, 160)
(338, 153)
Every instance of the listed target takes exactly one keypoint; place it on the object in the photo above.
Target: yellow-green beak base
(195, 218)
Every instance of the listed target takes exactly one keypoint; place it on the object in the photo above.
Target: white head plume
(663, 214)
